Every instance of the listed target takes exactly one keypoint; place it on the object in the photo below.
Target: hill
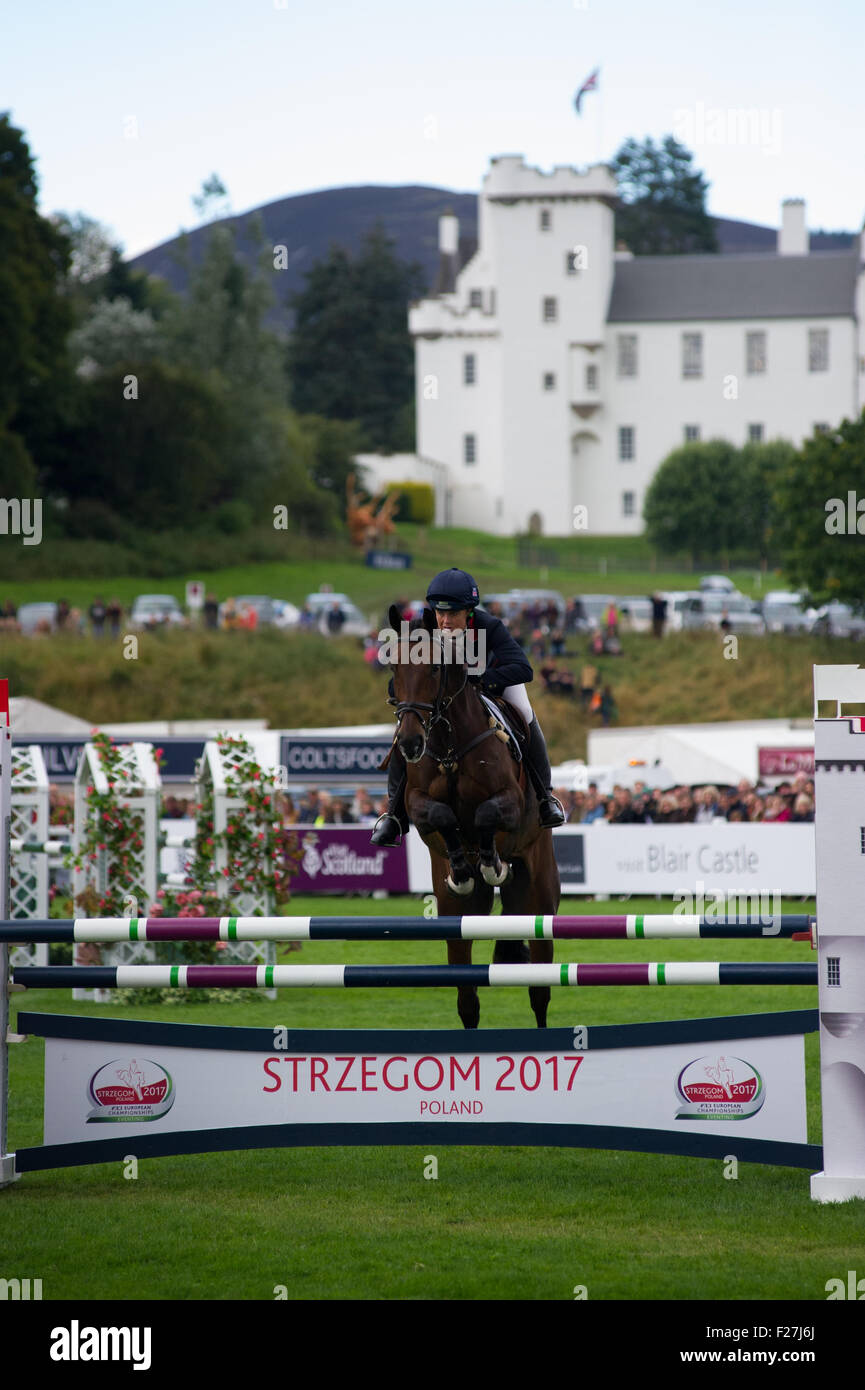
(308, 223)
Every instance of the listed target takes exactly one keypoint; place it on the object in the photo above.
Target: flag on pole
(590, 85)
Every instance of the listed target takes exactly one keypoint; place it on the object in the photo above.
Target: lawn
(498, 1223)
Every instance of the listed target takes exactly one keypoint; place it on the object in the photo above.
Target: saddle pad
(510, 727)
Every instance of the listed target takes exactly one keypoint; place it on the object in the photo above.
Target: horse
(472, 802)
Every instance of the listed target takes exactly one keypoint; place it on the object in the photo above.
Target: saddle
(511, 722)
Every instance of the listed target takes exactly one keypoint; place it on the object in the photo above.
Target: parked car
(527, 597)
(832, 620)
(677, 604)
(705, 612)
(717, 583)
(505, 606)
(32, 617)
(635, 614)
(156, 610)
(260, 602)
(285, 614)
(355, 624)
(784, 611)
(595, 606)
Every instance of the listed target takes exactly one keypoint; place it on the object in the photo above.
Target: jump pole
(522, 928)
(410, 976)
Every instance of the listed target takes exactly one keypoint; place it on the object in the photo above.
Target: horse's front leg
(434, 817)
(501, 812)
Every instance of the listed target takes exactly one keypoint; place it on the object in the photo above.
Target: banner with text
(697, 1086)
(723, 856)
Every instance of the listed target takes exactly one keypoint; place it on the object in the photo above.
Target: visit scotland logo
(130, 1092)
(719, 1088)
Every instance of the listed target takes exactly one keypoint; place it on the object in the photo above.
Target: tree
(220, 326)
(160, 459)
(97, 269)
(351, 356)
(820, 498)
(694, 501)
(35, 318)
(114, 333)
(212, 202)
(663, 199)
(764, 465)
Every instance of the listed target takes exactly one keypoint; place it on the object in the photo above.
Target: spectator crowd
(789, 801)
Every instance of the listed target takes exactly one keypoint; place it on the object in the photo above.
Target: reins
(449, 760)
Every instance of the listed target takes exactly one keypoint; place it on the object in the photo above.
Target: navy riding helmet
(452, 589)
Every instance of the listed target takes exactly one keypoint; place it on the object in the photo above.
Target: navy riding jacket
(506, 662)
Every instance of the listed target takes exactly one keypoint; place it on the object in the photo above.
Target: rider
(453, 594)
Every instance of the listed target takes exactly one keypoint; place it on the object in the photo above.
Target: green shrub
(416, 503)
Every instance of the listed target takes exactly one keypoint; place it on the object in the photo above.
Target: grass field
(582, 564)
(498, 1223)
(295, 680)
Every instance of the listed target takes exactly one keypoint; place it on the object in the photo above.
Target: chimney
(449, 237)
(449, 233)
(793, 234)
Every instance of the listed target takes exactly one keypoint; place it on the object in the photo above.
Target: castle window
(550, 310)
(755, 353)
(818, 349)
(833, 972)
(692, 434)
(692, 354)
(591, 377)
(469, 369)
(476, 299)
(469, 448)
(549, 381)
(755, 434)
(546, 220)
(626, 443)
(626, 354)
(628, 507)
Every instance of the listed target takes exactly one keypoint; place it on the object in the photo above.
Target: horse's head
(427, 675)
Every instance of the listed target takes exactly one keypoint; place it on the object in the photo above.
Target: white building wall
(530, 265)
(547, 451)
(787, 399)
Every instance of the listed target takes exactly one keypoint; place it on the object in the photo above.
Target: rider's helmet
(452, 589)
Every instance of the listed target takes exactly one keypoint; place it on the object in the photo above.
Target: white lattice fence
(29, 821)
(219, 776)
(137, 787)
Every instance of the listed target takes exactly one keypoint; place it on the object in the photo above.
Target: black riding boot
(550, 810)
(394, 822)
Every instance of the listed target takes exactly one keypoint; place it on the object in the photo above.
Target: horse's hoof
(461, 889)
(496, 878)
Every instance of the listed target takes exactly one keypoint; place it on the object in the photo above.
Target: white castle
(555, 371)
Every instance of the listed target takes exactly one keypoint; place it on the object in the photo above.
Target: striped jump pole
(525, 928)
(408, 976)
(50, 847)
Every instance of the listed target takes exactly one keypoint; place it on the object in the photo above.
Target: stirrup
(384, 834)
(551, 812)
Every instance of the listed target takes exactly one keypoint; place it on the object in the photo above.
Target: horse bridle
(450, 759)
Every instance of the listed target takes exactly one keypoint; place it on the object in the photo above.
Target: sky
(128, 107)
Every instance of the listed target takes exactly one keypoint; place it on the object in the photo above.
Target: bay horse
(473, 804)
